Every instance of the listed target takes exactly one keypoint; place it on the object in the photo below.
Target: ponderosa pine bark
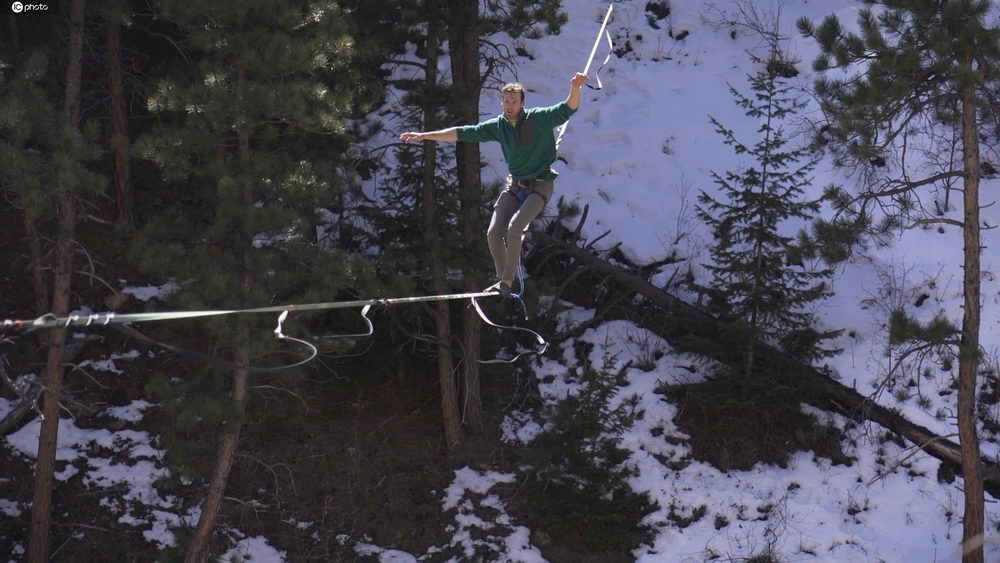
(463, 40)
(119, 121)
(38, 544)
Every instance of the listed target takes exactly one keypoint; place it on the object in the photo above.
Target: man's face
(512, 104)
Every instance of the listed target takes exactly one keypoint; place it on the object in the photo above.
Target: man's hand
(407, 137)
(578, 79)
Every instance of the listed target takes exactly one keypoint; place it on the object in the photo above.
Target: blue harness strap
(521, 194)
(520, 189)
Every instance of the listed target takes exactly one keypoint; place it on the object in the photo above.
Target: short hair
(513, 87)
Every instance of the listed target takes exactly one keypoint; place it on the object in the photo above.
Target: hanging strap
(597, 75)
(590, 59)
(543, 345)
(211, 360)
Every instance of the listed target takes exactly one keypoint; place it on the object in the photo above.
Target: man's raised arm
(573, 100)
(450, 134)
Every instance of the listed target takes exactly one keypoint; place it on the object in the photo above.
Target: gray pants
(510, 220)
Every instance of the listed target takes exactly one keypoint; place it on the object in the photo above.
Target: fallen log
(28, 395)
(27, 401)
(677, 319)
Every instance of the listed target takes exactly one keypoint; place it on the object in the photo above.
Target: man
(529, 146)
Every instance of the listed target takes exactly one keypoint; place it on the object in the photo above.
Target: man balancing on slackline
(529, 146)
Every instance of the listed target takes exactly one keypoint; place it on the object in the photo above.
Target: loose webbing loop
(211, 360)
(520, 295)
(597, 75)
(368, 321)
(538, 338)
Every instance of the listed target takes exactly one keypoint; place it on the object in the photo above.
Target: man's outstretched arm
(573, 100)
(450, 134)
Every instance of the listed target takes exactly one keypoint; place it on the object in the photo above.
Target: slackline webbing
(103, 319)
(590, 59)
(121, 322)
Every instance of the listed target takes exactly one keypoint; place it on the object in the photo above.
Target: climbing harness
(521, 189)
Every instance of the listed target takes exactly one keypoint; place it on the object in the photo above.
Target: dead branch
(583, 219)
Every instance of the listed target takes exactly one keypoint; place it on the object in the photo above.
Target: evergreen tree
(581, 469)
(248, 134)
(44, 157)
(762, 290)
(913, 86)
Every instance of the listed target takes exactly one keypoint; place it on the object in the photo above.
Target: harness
(521, 189)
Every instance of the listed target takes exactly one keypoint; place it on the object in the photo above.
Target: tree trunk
(229, 442)
(442, 322)
(35, 257)
(748, 355)
(119, 122)
(968, 357)
(463, 40)
(38, 544)
(227, 449)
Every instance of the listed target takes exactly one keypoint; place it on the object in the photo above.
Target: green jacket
(529, 147)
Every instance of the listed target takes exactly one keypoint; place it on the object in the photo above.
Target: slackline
(122, 323)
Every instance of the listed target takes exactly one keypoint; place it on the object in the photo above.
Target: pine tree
(582, 470)
(914, 85)
(762, 290)
(248, 135)
(44, 158)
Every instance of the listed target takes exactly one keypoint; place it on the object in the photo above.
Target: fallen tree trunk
(27, 403)
(28, 394)
(673, 319)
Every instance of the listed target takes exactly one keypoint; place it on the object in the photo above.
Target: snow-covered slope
(637, 153)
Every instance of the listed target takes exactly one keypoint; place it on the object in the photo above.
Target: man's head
(512, 99)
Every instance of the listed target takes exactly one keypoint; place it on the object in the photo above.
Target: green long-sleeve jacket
(529, 146)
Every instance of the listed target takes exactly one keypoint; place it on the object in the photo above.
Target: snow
(108, 364)
(82, 450)
(638, 152)
(469, 480)
(253, 550)
(519, 428)
(10, 508)
(467, 495)
(147, 292)
(131, 412)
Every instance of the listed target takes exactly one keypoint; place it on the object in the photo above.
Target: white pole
(590, 59)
